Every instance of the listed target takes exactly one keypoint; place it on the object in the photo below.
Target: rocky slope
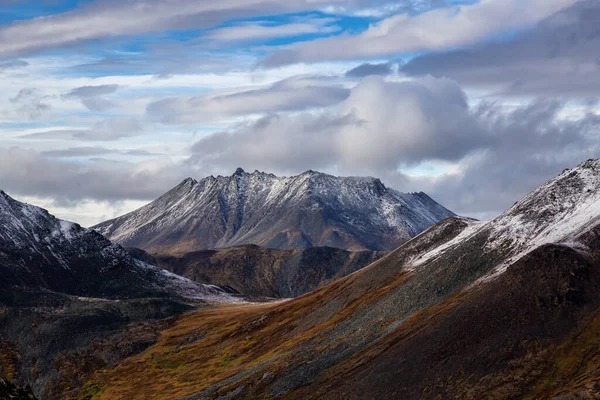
(260, 272)
(311, 209)
(499, 310)
(63, 287)
(39, 252)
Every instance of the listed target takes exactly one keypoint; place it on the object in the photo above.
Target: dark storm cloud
(381, 124)
(558, 58)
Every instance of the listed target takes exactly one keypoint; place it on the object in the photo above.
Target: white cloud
(382, 125)
(442, 28)
(256, 32)
(110, 19)
(292, 94)
(106, 130)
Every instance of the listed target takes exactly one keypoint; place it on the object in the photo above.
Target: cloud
(530, 145)
(381, 124)
(25, 172)
(496, 154)
(111, 18)
(13, 64)
(293, 94)
(558, 57)
(93, 91)
(108, 130)
(93, 97)
(84, 152)
(30, 103)
(267, 31)
(435, 30)
(367, 69)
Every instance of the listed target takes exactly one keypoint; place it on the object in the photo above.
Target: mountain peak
(310, 209)
(189, 181)
(66, 258)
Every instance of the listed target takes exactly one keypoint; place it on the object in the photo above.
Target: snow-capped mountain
(561, 211)
(39, 252)
(310, 209)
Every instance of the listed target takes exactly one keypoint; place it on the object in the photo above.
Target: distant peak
(239, 171)
(190, 180)
(311, 172)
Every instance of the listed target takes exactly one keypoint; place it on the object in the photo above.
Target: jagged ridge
(311, 209)
(39, 252)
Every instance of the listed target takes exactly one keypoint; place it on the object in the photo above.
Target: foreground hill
(311, 209)
(260, 272)
(506, 309)
(66, 290)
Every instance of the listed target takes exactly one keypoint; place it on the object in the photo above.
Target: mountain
(40, 253)
(499, 310)
(261, 272)
(66, 291)
(311, 209)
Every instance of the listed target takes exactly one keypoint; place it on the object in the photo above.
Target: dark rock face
(311, 209)
(39, 253)
(9, 391)
(261, 272)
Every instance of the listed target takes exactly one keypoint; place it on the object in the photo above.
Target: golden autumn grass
(209, 346)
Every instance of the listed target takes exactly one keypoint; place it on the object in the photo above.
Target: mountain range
(498, 310)
(311, 209)
(466, 309)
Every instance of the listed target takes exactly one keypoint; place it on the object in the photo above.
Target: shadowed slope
(261, 272)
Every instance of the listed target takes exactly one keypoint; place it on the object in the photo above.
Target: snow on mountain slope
(41, 252)
(311, 209)
(559, 211)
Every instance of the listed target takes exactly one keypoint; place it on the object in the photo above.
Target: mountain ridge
(306, 210)
(464, 310)
(40, 252)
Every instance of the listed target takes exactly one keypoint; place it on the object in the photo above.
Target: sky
(105, 105)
